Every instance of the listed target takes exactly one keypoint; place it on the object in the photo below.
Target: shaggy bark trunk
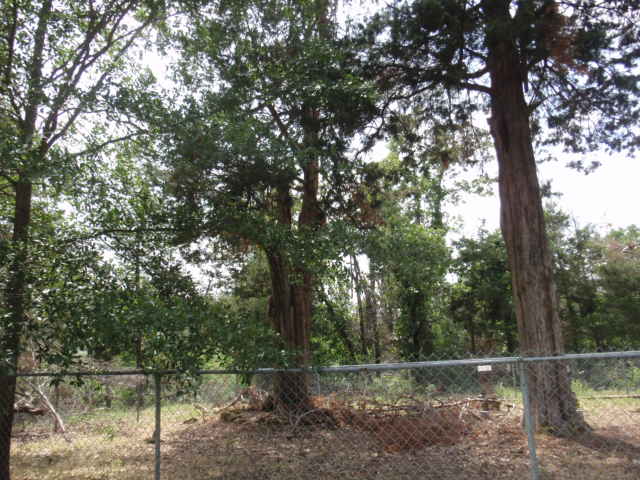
(310, 219)
(292, 297)
(522, 220)
(290, 316)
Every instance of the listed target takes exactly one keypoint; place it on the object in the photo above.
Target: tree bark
(522, 220)
(310, 219)
(16, 292)
(358, 283)
(371, 309)
(7, 396)
(292, 286)
(290, 390)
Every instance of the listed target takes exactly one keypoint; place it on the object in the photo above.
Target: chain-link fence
(470, 419)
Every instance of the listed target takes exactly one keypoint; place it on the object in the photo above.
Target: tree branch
(477, 74)
(112, 231)
(111, 141)
(49, 406)
(79, 109)
(11, 40)
(34, 95)
(475, 87)
(284, 130)
(82, 62)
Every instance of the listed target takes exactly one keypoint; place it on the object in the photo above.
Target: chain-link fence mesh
(603, 439)
(88, 427)
(437, 420)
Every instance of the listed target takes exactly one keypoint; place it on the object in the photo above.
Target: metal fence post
(528, 422)
(318, 387)
(158, 391)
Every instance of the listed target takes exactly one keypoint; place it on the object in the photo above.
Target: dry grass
(105, 445)
(357, 440)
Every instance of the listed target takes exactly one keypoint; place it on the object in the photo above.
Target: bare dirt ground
(458, 442)
(461, 440)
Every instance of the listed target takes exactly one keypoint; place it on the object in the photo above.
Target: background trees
(597, 278)
(618, 302)
(407, 253)
(584, 259)
(481, 298)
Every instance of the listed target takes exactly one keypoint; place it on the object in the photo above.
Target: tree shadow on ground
(613, 440)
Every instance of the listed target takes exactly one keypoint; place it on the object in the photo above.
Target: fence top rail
(373, 367)
(581, 356)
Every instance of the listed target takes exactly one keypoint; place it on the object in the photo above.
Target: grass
(104, 444)
(376, 437)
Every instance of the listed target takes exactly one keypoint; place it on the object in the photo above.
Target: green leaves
(481, 297)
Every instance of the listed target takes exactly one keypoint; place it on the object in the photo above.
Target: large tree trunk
(7, 397)
(290, 388)
(16, 293)
(290, 315)
(522, 220)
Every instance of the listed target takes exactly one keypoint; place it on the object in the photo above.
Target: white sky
(608, 197)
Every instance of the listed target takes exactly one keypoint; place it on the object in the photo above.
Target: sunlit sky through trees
(608, 197)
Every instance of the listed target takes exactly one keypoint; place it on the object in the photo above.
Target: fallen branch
(298, 418)
(609, 397)
(24, 404)
(257, 399)
(467, 401)
(59, 424)
(25, 408)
